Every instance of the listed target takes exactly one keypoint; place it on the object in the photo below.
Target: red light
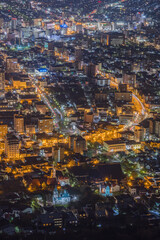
(99, 1)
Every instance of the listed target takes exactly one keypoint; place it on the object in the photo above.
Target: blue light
(99, 225)
(42, 70)
(64, 26)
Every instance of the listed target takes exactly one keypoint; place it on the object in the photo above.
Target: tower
(19, 123)
(53, 172)
(12, 146)
(2, 83)
(14, 23)
(58, 153)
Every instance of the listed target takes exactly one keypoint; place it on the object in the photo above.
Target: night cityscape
(80, 119)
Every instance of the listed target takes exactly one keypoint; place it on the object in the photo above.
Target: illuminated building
(12, 64)
(37, 22)
(115, 146)
(71, 141)
(132, 145)
(151, 126)
(11, 146)
(41, 107)
(101, 97)
(136, 66)
(122, 87)
(19, 123)
(57, 27)
(2, 146)
(78, 27)
(129, 78)
(61, 197)
(3, 130)
(51, 46)
(41, 71)
(63, 181)
(88, 117)
(157, 127)
(102, 82)
(123, 95)
(14, 23)
(1, 22)
(127, 135)
(132, 190)
(125, 118)
(17, 84)
(79, 145)
(140, 133)
(63, 29)
(45, 124)
(105, 190)
(119, 109)
(28, 98)
(113, 38)
(30, 129)
(2, 83)
(78, 54)
(113, 26)
(58, 153)
(90, 70)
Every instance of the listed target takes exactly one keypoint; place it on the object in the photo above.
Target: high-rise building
(14, 23)
(2, 80)
(58, 153)
(140, 133)
(45, 124)
(3, 130)
(19, 123)
(123, 94)
(30, 129)
(1, 23)
(151, 126)
(51, 46)
(157, 128)
(90, 70)
(100, 97)
(63, 29)
(71, 141)
(2, 83)
(88, 117)
(41, 107)
(12, 64)
(113, 39)
(129, 78)
(79, 27)
(78, 54)
(79, 145)
(11, 146)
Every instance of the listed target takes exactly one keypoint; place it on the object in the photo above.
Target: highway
(142, 114)
(46, 100)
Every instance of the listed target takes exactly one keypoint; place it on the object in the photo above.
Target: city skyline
(79, 119)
